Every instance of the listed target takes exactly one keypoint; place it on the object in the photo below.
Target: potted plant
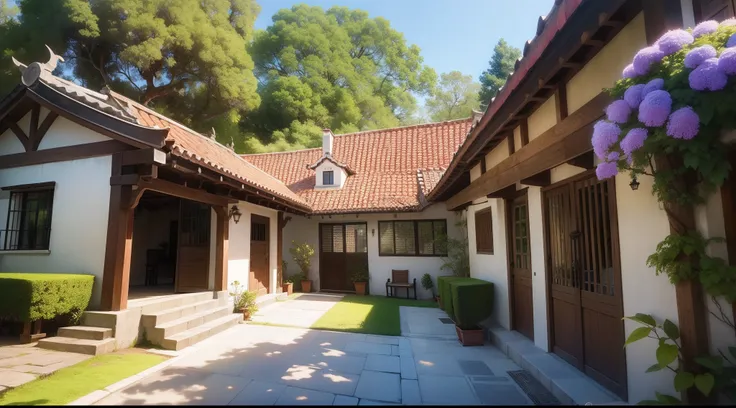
(302, 255)
(287, 284)
(472, 301)
(427, 284)
(360, 277)
(243, 301)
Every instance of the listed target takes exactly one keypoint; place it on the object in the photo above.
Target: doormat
(446, 320)
(533, 388)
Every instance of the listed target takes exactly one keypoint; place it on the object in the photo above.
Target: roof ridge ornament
(32, 72)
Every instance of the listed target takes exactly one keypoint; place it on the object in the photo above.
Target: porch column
(280, 252)
(221, 245)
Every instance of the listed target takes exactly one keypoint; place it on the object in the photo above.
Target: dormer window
(328, 178)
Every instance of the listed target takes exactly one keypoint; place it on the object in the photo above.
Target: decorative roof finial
(31, 73)
(53, 60)
(212, 135)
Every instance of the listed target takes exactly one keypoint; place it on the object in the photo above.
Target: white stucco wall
(239, 245)
(539, 269)
(492, 268)
(79, 218)
(301, 229)
(62, 133)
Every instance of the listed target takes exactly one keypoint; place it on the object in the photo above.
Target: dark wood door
(259, 278)
(520, 267)
(585, 279)
(193, 253)
(342, 246)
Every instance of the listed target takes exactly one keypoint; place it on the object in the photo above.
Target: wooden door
(259, 279)
(342, 246)
(520, 267)
(585, 279)
(193, 253)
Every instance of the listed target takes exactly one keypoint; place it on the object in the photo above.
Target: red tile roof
(207, 152)
(394, 168)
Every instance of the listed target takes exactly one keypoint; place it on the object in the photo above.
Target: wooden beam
(585, 161)
(144, 156)
(176, 190)
(221, 247)
(504, 192)
(564, 141)
(510, 142)
(45, 126)
(280, 251)
(524, 131)
(21, 135)
(33, 128)
(483, 164)
(542, 179)
(561, 102)
(65, 153)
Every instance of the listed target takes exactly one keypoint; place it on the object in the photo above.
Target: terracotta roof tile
(394, 168)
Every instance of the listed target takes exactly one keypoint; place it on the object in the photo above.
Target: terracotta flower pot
(246, 314)
(306, 286)
(287, 288)
(470, 337)
(439, 300)
(359, 288)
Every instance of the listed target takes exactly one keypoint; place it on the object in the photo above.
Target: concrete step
(162, 331)
(265, 300)
(199, 333)
(155, 305)
(151, 320)
(82, 346)
(86, 332)
(100, 319)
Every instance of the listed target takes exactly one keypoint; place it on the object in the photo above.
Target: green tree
(185, 57)
(501, 65)
(456, 96)
(336, 68)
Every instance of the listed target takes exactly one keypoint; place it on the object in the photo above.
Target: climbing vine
(673, 106)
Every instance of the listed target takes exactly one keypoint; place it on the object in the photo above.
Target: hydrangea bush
(673, 105)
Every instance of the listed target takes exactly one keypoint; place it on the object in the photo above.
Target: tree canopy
(335, 68)
(501, 65)
(455, 97)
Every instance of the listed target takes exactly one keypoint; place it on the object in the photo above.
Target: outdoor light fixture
(634, 184)
(235, 214)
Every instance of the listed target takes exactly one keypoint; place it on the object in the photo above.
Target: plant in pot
(472, 301)
(243, 301)
(302, 255)
(287, 283)
(427, 284)
(360, 277)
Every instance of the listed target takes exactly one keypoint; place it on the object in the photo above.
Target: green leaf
(642, 318)
(666, 354)
(714, 363)
(638, 334)
(671, 330)
(667, 399)
(653, 368)
(704, 383)
(683, 381)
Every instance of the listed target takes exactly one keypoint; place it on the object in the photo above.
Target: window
(484, 232)
(328, 178)
(29, 218)
(412, 238)
(344, 238)
(713, 10)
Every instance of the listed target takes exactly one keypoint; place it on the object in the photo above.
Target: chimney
(327, 140)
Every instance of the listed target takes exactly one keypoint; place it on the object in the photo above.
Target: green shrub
(443, 291)
(27, 297)
(472, 301)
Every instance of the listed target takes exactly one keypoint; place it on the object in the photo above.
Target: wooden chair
(400, 279)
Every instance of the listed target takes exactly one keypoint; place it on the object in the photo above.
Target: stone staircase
(170, 322)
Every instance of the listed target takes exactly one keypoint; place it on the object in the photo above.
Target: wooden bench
(400, 279)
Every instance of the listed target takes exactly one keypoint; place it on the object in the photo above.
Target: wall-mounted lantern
(634, 184)
(235, 214)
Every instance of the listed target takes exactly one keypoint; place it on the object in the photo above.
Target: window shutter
(326, 238)
(425, 232)
(484, 231)
(386, 236)
(405, 238)
(337, 236)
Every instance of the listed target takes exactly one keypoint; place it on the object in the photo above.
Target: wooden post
(221, 248)
(280, 252)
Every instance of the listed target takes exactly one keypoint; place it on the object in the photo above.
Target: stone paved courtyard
(267, 365)
(21, 363)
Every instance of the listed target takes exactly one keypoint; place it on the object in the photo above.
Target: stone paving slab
(22, 363)
(303, 311)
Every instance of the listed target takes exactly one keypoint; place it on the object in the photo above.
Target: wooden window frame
(478, 249)
(328, 174)
(23, 191)
(415, 223)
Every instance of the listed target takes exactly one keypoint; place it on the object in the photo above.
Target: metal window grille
(29, 221)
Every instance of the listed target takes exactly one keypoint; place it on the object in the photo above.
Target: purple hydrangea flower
(644, 59)
(618, 111)
(655, 108)
(605, 134)
(708, 76)
(606, 170)
(673, 41)
(634, 140)
(727, 61)
(697, 55)
(629, 72)
(731, 41)
(633, 97)
(706, 27)
(728, 23)
(684, 124)
(613, 156)
(653, 85)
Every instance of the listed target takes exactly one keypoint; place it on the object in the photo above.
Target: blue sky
(453, 34)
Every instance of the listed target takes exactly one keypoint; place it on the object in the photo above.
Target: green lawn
(367, 314)
(71, 383)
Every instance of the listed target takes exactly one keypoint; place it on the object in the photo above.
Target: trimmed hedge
(26, 297)
(472, 301)
(443, 290)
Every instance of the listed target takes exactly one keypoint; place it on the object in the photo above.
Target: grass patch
(367, 314)
(71, 383)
